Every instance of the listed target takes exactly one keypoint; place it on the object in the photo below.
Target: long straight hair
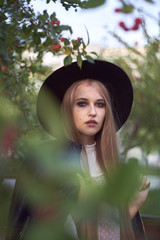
(106, 140)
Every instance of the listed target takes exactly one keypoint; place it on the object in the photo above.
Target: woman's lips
(91, 123)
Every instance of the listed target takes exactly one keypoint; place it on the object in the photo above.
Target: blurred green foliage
(143, 68)
(22, 31)
(152, 200)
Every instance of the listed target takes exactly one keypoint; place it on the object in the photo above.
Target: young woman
(95, 102)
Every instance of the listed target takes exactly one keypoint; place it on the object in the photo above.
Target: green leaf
(79, 60)
(47, 1)
(123, 182)
(53, 16)
(89, 59)
(93, 3)
(127, 8)
(66, 42)
(44, 16)
(65, 28)
(67, 60)
(150, 1)
(94, 53)
(36, 38)
(48, 42)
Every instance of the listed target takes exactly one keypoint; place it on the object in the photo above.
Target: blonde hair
(106, 147)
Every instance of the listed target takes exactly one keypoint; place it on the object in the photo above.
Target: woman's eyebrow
(101, 100)
(85, 99)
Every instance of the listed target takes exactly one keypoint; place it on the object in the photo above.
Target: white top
(94, 168)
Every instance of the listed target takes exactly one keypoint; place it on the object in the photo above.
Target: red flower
(53, 47)
(79, 39)
(62, 39)
(118, 10)
(56, 47)
(57, 22)
(52, 22)
(122, 25)
(4, 68)
(135, 27)
(138, 20)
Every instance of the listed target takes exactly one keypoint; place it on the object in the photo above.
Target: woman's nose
(92, 110)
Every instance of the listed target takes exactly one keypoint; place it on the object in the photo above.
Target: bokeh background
(37, 37)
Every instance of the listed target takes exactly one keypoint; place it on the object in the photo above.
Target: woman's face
(89, 112)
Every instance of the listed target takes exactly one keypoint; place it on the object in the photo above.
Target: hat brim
(112, 76)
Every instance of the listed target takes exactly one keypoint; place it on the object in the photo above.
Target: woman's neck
(86, 140)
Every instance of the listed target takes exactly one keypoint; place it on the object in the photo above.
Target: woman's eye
(100, 104)
(81, 104)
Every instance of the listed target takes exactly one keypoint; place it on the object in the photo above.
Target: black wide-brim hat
(112, 76)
